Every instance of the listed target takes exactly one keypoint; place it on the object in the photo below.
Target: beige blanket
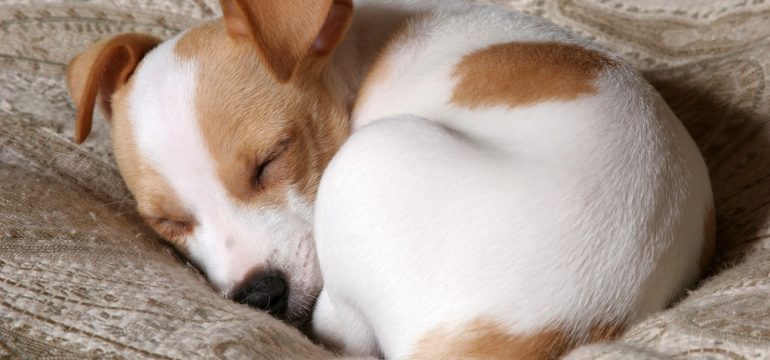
(80, 276)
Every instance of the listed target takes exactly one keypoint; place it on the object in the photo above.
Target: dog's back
(538, 195)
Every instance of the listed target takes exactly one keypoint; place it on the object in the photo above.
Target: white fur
(569, 213)
(230, 239)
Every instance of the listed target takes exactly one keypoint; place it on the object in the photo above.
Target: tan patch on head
(517, 74)
(709, 238)
(247, 117)
(157, 201)
(486, 339)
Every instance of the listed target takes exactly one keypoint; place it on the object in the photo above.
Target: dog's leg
(340, 326)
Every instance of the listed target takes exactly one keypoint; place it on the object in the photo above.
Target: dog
(434, 179)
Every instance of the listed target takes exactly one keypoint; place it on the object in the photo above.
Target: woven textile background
(80, 276)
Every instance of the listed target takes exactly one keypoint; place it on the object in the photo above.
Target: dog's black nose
(265, 291)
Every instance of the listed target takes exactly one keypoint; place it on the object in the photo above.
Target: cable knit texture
(80, 276)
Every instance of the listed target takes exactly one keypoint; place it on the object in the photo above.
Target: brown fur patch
(485, 339)
(709, 239)
(517, 74)
(606, 331)
(244, 115)
(157, 201)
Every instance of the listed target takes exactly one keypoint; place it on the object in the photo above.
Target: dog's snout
(265, 291)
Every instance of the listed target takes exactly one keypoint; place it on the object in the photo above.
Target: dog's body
(528, 216)
(507, 190)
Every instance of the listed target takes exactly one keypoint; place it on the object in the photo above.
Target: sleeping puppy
(505, 188)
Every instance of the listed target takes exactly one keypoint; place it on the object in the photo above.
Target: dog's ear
(99, 71)
(287, 31)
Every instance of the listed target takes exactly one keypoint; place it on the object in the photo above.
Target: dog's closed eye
(261, 177)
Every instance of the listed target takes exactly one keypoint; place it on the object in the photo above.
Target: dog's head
(222, 134)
